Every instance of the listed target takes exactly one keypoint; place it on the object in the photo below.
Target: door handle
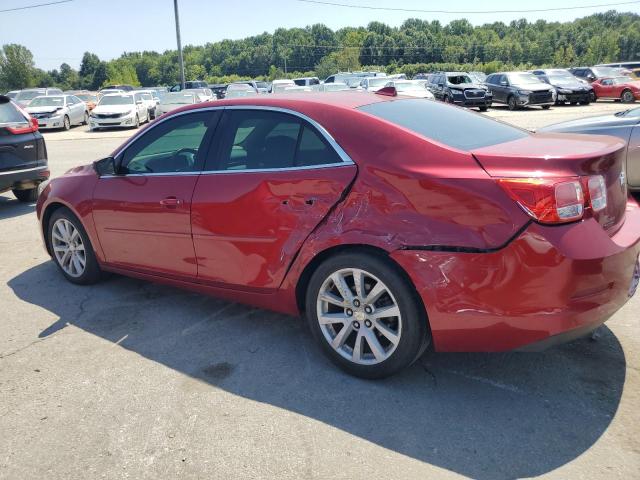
(171, 202)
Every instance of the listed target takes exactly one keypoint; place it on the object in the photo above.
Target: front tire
(71, 248)
(366, 315)
(512, 103)
(26, 196)
(66, 123)
(546, 107)
(137, 124)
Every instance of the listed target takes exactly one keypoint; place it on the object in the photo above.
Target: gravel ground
(128, 379)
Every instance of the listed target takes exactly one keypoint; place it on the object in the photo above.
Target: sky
(63, 32)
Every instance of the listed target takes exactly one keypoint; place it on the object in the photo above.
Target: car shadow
(11, 207)
(486, 416)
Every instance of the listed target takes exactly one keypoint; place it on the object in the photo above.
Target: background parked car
(568, 87)
(520, 89)
(124, 88)
(279, 85)
(23, 97)
(219, 89)
(204, 94)
(625, 89)
(110, 91)
(149, 101)
(23, 154)
(58, 111)
(624, 125)
(119, 110)
(410, 88)
(90, 98)
(306, 81)
(372, 84)
(589, 74)
(352, 78)
(333, 87)
(174, 100)
(12, 94)
(189, 85)
(235, 90)
(459, 88)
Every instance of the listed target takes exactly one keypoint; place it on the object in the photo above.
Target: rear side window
(454, 127)
(265, 140)
(10, 114)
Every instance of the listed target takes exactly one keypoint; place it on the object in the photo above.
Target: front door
(143, 214)
(274, 177)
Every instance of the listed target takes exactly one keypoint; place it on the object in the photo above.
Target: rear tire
(85, 121)
(61, 221)
(627, 97)
(375, 345)
(27, 196)
(512, 103)
(483, 109)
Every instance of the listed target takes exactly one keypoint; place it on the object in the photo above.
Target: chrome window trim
(346, 160)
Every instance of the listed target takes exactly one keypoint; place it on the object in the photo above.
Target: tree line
(416, 46)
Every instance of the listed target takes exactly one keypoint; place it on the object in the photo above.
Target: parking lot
(127, 379)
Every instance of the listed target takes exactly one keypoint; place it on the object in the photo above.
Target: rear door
(143, 214)
(274, 176)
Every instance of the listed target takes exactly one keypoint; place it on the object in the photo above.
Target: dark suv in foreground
(459, 88)
(520, 89)
(23, 154)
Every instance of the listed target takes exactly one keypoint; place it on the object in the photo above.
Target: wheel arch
(323, 255)
(46, 216)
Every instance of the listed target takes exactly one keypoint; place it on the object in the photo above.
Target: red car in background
(625, 89)
(393, 224)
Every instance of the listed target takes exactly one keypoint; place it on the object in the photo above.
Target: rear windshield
(455, 127)
(10, 114)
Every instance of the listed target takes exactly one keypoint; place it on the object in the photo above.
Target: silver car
(24, 97)
(625, 125)
(58, 111)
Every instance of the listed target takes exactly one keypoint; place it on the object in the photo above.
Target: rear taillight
(558, 200)
(597, 192)
(30, 128)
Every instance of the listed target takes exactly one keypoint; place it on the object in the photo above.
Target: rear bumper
(28, 177)
(547, 285)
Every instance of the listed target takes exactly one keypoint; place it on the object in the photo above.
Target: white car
(373, 84)
(174, 100)
(279, 86)
(58, 111)
(150, 101)
(235, 90)
(204, 94)
(411, 88)
(119, 110)
(333, 87)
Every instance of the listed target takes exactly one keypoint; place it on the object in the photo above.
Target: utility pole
(175, 8)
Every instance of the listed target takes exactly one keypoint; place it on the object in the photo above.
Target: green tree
(16, 67)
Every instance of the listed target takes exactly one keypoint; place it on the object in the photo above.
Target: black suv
(23, 154)
(520, 89)
(459, 88)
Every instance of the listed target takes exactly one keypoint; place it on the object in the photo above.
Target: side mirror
(105, 166)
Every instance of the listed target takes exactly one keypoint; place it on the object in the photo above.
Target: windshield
(523, 79)
(459, 79)
(262, 85)
(86, 97)
(240, 86)
(560, 74)
(179, 99)
(28, 95)
(47, 102)
(561, 78)
(604, 71)
(117, 100)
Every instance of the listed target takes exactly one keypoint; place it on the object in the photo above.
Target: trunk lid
(549, 155)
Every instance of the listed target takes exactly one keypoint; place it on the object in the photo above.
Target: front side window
(174, 146)
(266, 140)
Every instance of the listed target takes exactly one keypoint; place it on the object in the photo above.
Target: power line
(457, 12)
(34, 6)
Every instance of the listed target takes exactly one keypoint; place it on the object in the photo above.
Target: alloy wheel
(627, 97)
(359, 316)
(68, 248)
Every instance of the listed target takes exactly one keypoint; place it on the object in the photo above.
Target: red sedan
(625, 89)
(393, 224)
